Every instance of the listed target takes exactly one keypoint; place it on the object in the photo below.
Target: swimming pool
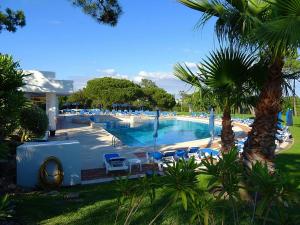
(169, 132)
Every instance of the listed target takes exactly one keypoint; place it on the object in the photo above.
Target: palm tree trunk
(227, 134)
(260, 145)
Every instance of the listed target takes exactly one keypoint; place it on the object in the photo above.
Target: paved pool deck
(97, 141)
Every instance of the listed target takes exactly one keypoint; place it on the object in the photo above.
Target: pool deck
(97, 141)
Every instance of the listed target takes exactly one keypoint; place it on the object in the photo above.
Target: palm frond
(226, 74)
(209, 7)
(185, 74)
(281, 32)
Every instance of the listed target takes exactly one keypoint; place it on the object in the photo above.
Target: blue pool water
(169, 132)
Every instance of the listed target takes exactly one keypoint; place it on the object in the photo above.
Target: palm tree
(224, 75)
(273, 27)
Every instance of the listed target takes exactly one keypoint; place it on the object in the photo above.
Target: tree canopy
(269, 28)
(157, 97)
(224, 75)
(10, 20)
(103, 11)
(107, 91)
(80, 98)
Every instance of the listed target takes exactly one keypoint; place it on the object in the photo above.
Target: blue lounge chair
(181, 154)
(193, 152)
(169, 156)
(206, 152)
(113, 162)
(155, 156)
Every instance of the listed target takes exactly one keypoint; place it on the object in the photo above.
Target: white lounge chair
(193, 152)
(113, 162)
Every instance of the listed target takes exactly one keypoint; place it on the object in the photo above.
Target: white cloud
(80, 81)
(154, 76)
(111, 73)
(165, 80)
(191, 65)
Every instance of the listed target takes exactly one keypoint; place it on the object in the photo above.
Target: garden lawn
(97, 203)
(288, 161)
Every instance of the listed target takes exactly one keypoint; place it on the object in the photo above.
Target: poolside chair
(181, 154)
(193, 152)
(155, 157)
(283, 135)
(160, 159)
(114, 162)
(240, 144)
(169, 156)
(208, 152)
(168, 159)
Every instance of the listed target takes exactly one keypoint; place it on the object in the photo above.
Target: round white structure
(44, 84)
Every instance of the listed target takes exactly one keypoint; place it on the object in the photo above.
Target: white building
(43, 87)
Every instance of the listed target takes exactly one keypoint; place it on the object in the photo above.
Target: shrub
(230, 196)
(6, 208)
(33, 121)
(11, 98)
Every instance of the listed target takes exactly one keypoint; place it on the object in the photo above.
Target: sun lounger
(114, 162)
(193, 152)
(208, 152)
(155, 156)
(169, 156)
(181, 154)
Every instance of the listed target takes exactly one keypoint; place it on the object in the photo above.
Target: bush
(11, 98)
(33, 121)
(230, 196)
(6, 208)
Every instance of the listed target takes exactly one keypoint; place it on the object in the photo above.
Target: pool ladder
(115, 141)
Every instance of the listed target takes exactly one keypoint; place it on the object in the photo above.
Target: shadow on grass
(289, 165)
(32, 208)
(174, 214)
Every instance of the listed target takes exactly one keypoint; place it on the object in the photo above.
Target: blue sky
(151, 36)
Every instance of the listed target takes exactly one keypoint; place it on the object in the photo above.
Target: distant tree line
(108, 93)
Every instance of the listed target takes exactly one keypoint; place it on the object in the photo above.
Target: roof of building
(44, 82)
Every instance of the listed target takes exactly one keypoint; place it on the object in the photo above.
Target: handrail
(114, 141)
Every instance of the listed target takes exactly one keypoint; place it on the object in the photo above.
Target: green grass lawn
(288, 161)
(97, 203)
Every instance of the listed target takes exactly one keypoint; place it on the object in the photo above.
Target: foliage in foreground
(231, 197)
(11, 98)
(6, 209)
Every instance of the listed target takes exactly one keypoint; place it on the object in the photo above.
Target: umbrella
(212, 123)
(279, 119)
(289, 117)
(156, 125)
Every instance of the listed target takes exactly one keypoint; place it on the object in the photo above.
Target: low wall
(31, 155)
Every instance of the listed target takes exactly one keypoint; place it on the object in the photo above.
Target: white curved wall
(31, 155)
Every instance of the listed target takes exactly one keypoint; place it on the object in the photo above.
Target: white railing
(115, 141)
